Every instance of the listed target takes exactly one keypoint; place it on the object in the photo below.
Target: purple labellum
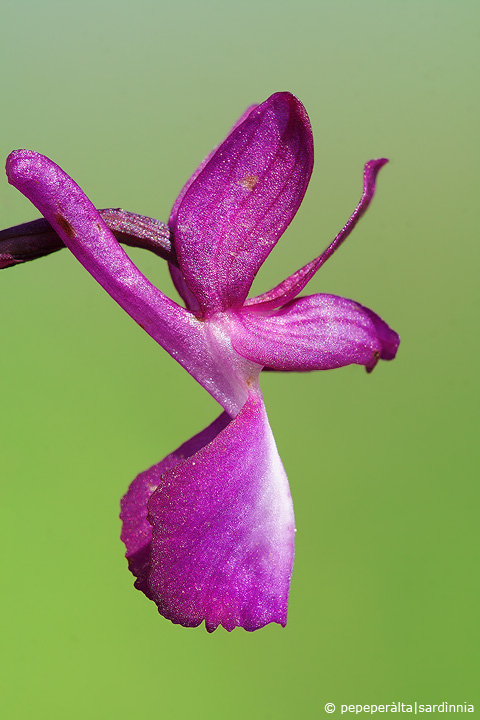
(209, 531)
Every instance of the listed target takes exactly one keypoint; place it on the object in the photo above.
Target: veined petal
(241, 202)
(136, 530)
(318, 332)
(223, 530)
(294, 284)
(36, 239)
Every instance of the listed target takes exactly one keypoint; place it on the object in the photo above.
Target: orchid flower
(209, 530)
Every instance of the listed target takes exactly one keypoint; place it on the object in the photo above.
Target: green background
(128, 98)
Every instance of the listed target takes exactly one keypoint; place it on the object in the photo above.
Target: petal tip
(371, 170)
(22, 167)
(377, 162)
(390, 341)
(17, 156)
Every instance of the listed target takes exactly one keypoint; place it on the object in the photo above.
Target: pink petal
(319, 332)
(241, 202)
(223, 530)
(294, 284)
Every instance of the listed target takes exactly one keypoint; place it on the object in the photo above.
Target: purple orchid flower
(209, 531)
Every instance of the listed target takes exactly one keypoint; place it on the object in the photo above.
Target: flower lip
(223, 530)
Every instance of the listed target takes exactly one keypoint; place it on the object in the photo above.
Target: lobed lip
(209, 531)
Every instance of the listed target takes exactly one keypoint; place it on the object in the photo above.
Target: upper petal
(223, 530)
(242, 200)
(319, 332)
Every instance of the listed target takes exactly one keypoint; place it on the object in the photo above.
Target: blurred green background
(128, 98)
